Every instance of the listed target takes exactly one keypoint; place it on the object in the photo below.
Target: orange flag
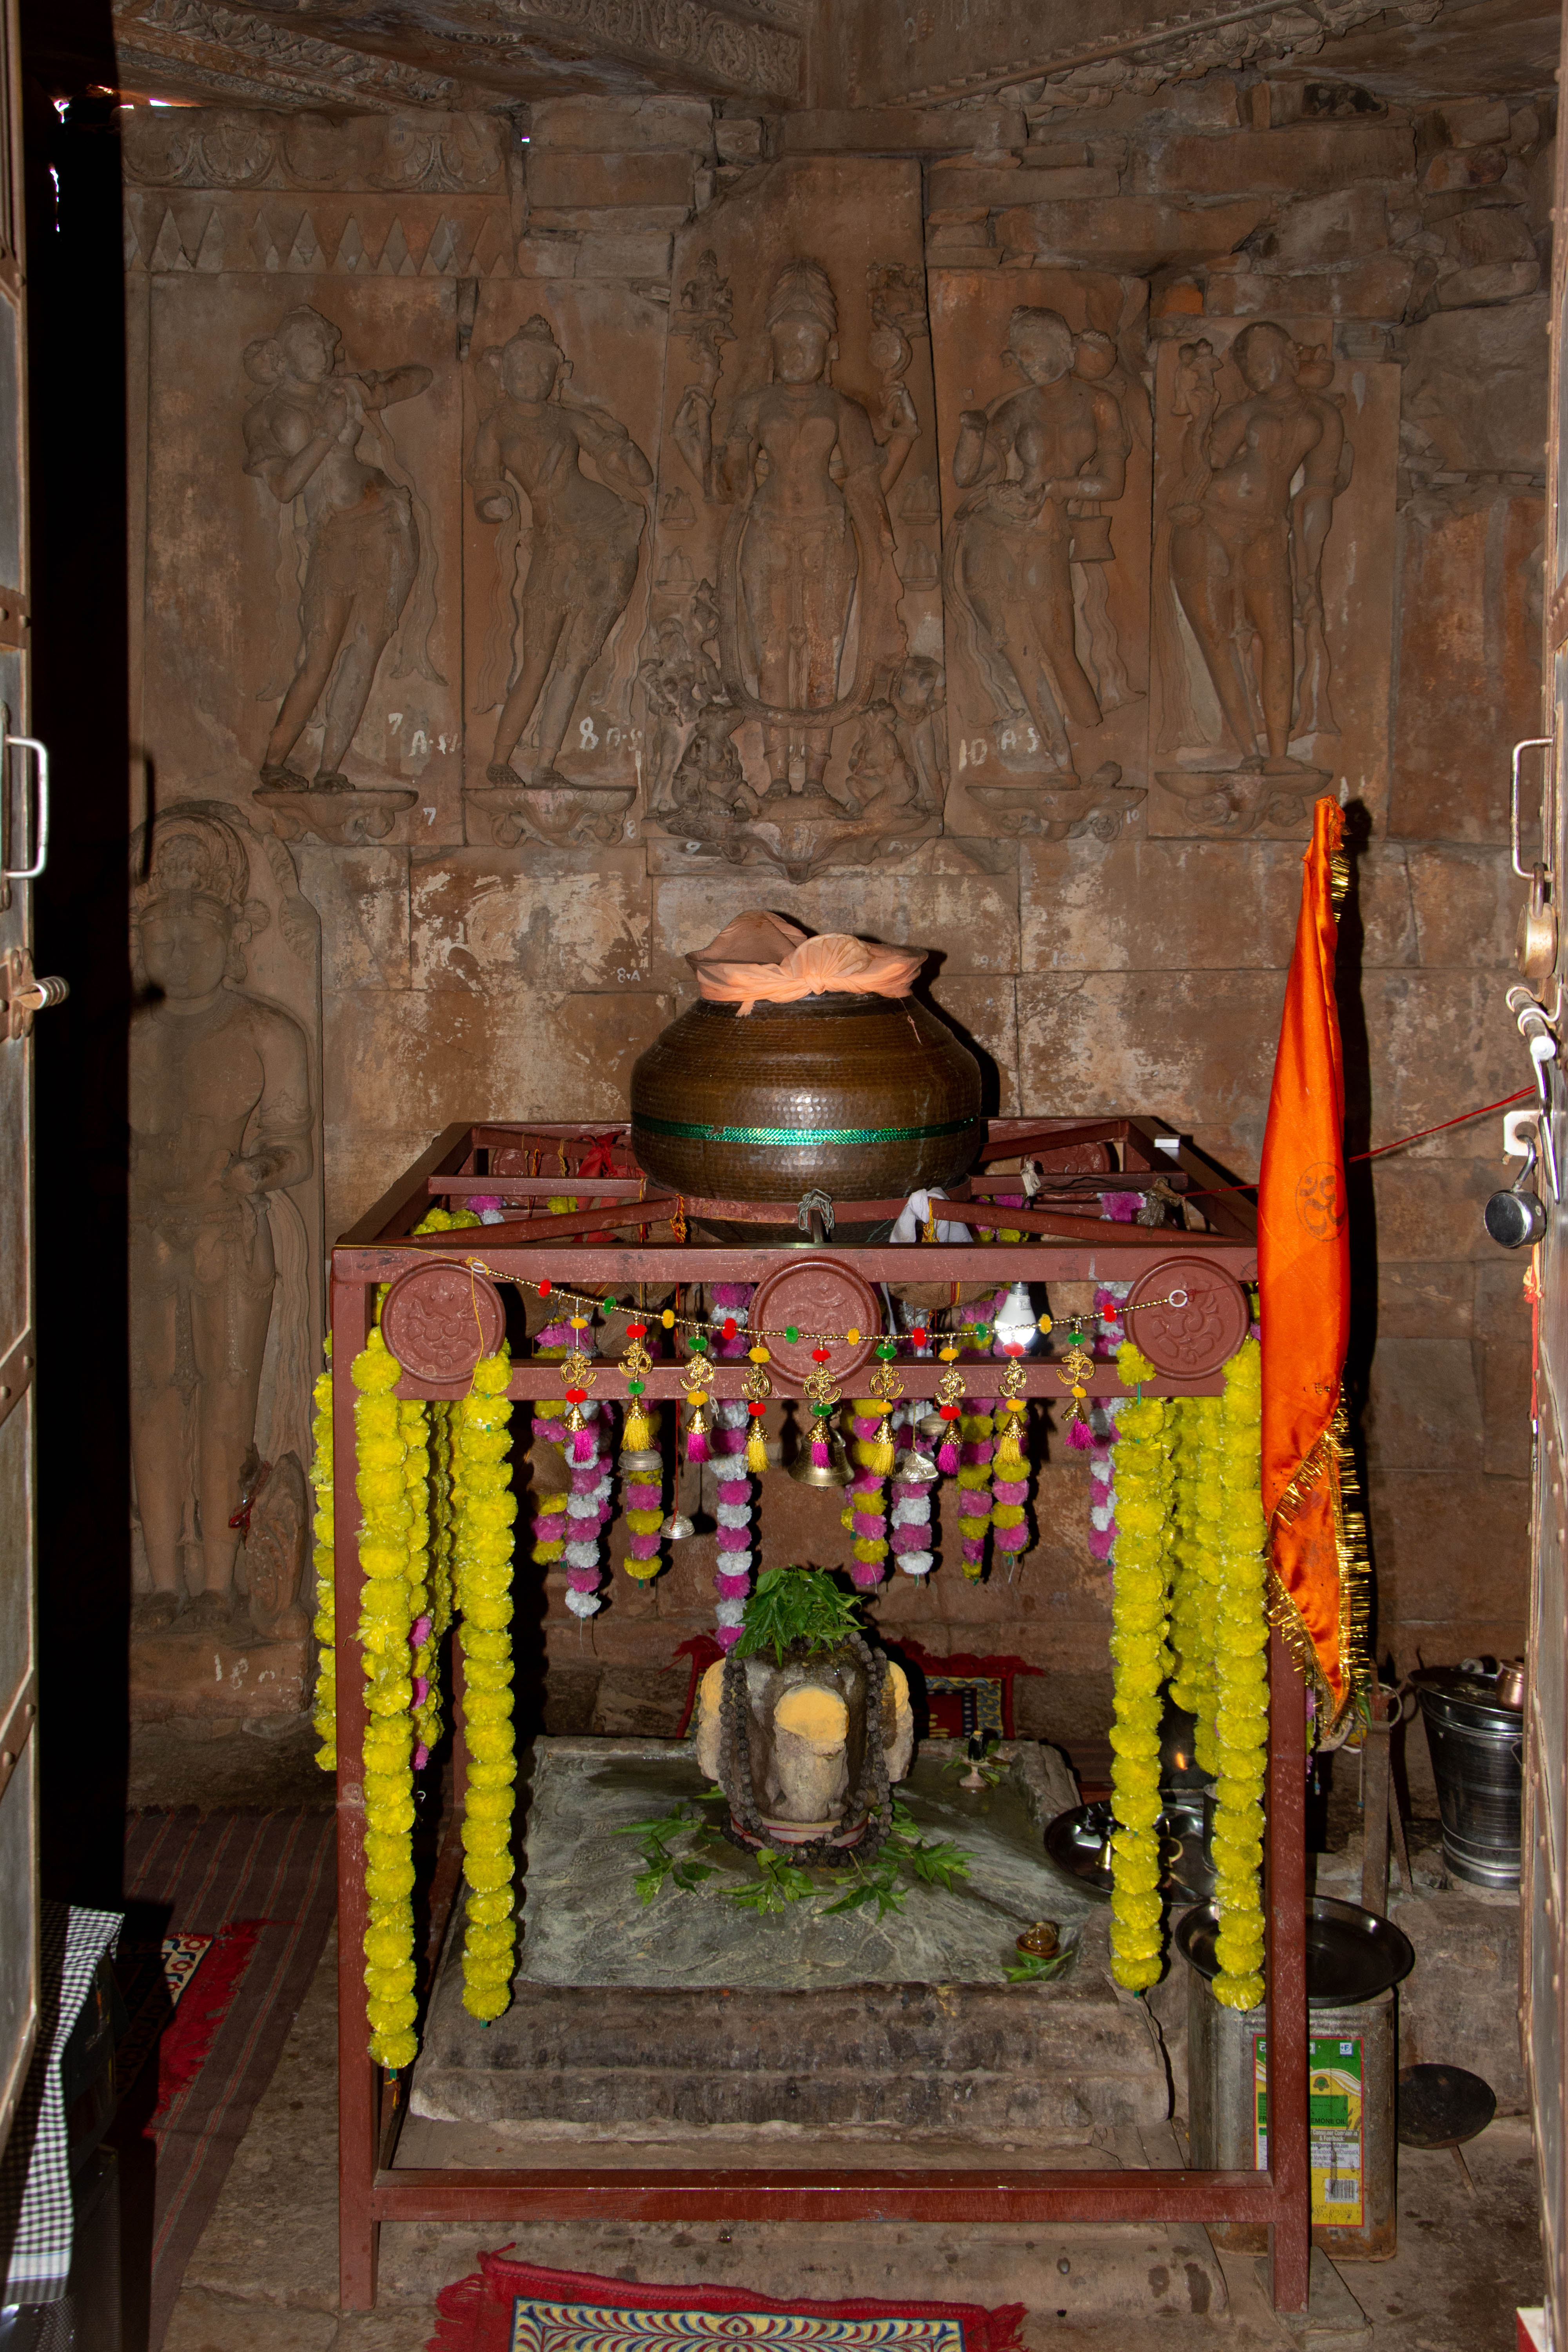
(1303, 1264)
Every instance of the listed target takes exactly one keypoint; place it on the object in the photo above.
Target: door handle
(1526, 743)
(41, 830)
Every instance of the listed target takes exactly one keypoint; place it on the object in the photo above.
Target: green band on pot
(786, 1139)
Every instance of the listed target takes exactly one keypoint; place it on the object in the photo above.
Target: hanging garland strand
(1188, 1509)
(1195, 1582)
(324, 1715)
(438, 1616)
(388, 1521)
(1139, 1599)
(1010, 1472)
(1241, 1685)
(734, 1505)
(975, 1485)
(485, 1510)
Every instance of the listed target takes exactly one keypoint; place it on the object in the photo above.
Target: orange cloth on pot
(834, 963)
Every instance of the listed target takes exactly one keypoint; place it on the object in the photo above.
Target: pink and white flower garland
(909, 1532)
(588, 1503)
(735, 1493)
(1108, 1301)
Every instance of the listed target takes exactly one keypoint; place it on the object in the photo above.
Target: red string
(1399, 1144)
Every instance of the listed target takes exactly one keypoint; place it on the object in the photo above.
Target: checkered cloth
(35, 2171)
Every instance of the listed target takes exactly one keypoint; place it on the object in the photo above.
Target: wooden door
(23, 846)
(1541, 856)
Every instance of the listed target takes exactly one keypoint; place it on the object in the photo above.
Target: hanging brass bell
(834, 1472)
(676, 1529)
(915, 1467)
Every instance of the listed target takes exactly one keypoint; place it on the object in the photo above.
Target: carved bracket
(1224, 804)
(342, 820)
(569, 814)
(1099, 808)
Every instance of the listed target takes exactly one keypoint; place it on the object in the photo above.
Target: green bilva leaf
(1036, 1967)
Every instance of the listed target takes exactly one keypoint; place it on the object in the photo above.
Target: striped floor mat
(261, 1885)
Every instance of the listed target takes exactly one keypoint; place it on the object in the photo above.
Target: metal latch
(23, 993)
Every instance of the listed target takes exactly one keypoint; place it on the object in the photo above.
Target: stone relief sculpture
(568, 572)
(303, 438)
(800, 634)
(1041, 464)
(809, 536)
(1241, 553)
(221, 1122)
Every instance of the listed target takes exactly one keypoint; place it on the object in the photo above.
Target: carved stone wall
(1171, 459)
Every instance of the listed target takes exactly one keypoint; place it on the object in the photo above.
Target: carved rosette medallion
(438, 1321)
(1189, 1317)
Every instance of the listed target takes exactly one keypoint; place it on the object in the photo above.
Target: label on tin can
(1335, 2125)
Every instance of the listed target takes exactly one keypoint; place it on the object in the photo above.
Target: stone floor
(265, 2272)
(264, 2277)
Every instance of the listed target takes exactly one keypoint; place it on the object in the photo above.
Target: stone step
(804, 2018)
(905, 2056)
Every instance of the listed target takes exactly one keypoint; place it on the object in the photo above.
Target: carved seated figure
(822, 1738)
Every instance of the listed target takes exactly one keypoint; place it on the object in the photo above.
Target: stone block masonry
(1064, 761)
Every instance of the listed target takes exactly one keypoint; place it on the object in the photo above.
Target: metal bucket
(1477, 1746)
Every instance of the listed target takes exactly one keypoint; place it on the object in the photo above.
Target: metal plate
(1077, 1842)
(1441, 2106)
(1351, 1954)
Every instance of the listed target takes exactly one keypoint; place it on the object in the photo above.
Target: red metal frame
(1070, 1249)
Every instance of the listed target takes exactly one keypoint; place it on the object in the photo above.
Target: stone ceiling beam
(1099, 45)
(452, 53)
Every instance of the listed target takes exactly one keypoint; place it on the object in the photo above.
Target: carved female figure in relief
(1246, 547)
(810, 543)
(301, 437)
(1032, 457)
(220, 1117)
(583, 555)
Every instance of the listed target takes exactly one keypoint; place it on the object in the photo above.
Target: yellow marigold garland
(325, 1712)
(1140, 1661)
(484, 1510)
(976, 1427)
(1189, 1510)
(1241, 1687)
(1195, 1580)
(392, 1541)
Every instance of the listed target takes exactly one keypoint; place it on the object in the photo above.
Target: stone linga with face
(806, 1066)
(803, 1773)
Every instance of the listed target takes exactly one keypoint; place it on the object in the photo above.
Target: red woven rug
(514, 2307)
(261, 1886)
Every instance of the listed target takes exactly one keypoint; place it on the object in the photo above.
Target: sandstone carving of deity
(809, 633)
(1243, 546)
(1040, 464)
(567, 574)
(220, 1122)
(306, 438)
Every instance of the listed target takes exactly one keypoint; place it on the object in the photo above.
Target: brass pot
(862, 1097)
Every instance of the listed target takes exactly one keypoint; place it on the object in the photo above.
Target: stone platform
(694, 2015)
